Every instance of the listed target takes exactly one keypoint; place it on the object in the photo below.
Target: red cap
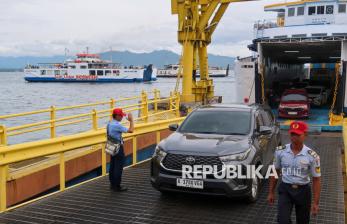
(298, 127)
(118, 111)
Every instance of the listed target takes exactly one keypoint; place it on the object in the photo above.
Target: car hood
(293, 103)
(205, 144)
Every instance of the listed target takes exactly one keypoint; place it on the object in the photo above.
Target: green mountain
(157, 58)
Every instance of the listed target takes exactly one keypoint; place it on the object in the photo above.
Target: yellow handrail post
(53, 115)
(103, 160)
(134, 150)
(95, 120)
(62, 171)
(177, 104)
(3, 188)
(3, 135)
(145, 106)
(112, 105)
(155, 100)
(170, 101)
(157, 136)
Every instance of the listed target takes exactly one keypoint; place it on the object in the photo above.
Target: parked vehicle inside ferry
(317, 94)
(294, 104)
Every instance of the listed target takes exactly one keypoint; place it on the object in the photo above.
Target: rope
(262, 67)
(337, 71)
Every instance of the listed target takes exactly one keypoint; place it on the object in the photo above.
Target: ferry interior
(313, 66)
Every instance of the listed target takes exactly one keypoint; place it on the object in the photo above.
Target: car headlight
(235, 157)
(159, 152)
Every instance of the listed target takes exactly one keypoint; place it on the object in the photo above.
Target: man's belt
(296, 186)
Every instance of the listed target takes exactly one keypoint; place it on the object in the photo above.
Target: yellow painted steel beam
(203, 63)
(195, 29)
(19, 152)
(187, 82)
(51, 161)
(217, 17)
(3, 135)
(134, 150)
(206, 15)
(62, 171)
(53, 116)
(3, 188)
(103, 160)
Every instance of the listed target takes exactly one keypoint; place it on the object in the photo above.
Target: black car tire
(255, 190)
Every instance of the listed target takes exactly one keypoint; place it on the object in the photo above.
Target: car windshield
(218, 122)
(294, 97)
(313, 90)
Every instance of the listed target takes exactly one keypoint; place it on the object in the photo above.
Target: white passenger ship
(171, 71)
(88, 68)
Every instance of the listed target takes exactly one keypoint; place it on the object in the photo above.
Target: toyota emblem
(190, 160)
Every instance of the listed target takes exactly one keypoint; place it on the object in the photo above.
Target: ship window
(342, 8)
(301, 11)
(43, 72)
(56, 72)
(320, 10)
(330, 9)
(107, 72)
(311, 10)
(92, 72)
(72, 66)
(83, 67)
(291, 12)
(100, 72)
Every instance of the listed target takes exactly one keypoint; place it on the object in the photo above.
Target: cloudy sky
(47, 27)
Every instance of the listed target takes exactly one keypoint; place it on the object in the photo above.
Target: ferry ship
(170, 71)
(304, 47)
(88, 68)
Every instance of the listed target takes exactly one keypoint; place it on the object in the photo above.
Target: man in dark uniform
(295, 163)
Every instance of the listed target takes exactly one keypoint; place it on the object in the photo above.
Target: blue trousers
(299, 198)
(116, 168)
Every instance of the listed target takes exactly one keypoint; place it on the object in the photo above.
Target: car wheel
(254, 193)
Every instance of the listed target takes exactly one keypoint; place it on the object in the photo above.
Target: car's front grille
(175, 161)
(293, 109)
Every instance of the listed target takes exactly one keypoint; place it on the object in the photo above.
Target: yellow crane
(197, 20)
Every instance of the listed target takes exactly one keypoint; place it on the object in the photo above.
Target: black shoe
(120, 188)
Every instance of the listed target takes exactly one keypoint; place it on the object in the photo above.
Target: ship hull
(103, 80)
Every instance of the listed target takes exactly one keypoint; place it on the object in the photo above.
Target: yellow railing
(59, 145)
(92, 116)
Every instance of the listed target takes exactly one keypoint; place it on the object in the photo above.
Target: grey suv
(217, 135)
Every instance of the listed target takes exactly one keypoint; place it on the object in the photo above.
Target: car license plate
(189, 183)
(292, 113)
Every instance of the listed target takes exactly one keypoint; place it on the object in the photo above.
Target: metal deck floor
(94, 202)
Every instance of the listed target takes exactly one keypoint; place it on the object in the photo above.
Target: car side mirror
(264, 130)
(173, 127)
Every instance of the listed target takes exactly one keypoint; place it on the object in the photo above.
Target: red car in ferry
(294, 104)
